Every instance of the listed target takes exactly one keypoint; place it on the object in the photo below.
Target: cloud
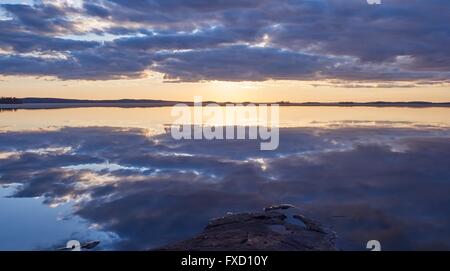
(40, 18)
(18, 40)
(92, 64)
(395, 41)
(177, 41)
(239, 63)
(96, 10)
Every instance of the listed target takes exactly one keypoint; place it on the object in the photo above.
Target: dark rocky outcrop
(279, 228)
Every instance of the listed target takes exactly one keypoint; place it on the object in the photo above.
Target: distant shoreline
(54, 103)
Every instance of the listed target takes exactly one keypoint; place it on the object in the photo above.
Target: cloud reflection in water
(390, 184)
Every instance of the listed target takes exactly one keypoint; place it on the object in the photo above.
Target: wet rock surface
(280, 228)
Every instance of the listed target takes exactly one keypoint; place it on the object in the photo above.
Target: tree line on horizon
(10, 100)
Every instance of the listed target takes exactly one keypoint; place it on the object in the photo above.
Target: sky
(234, 50)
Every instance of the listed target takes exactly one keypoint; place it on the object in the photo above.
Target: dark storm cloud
(202, 5)
(96, 10)
(376, 33)
(175, 40)
(176, 13)
(19, 65)
(15, 38)
(398, 40)
(374, 183)
(92, 64)
(27, 42)
(237, 63)
(40, 18)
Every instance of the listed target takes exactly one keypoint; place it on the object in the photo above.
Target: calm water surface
(115, 175)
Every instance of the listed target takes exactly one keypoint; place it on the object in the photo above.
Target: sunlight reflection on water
(155, 119)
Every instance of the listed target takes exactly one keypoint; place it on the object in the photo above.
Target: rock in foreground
(278, 228)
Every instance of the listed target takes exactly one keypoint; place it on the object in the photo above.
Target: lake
(116, 175)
